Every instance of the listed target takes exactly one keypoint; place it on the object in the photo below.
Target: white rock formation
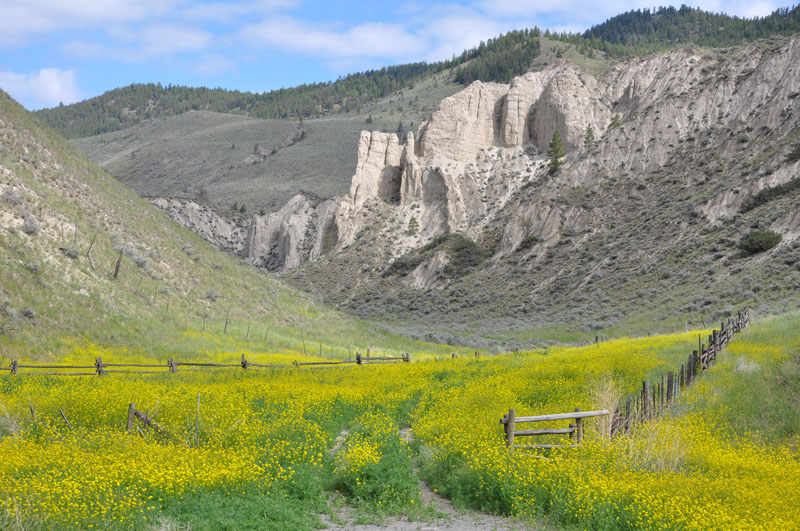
(293, 235)
(466, 165)
(204, 221)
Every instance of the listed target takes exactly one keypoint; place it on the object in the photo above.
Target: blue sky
(67, 50)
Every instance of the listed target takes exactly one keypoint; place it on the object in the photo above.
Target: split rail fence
(100, 368)
(574, 430)
(654, 398)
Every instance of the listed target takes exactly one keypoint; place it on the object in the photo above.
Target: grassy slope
(149, 306)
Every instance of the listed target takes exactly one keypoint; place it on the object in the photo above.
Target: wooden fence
(653, 399)
(574, 430)
(100, 368)
(657, 396)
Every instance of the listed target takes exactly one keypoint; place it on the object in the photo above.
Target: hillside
(694, 150)
(65, 223)
(221, 158)
(644, 31)
(500, 58)
(635, 32)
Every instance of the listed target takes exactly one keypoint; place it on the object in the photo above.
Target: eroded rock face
(295, 234)
(205, 221)
(464, 168)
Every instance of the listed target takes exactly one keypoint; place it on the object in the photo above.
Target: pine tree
(555, 153)
(588, 137)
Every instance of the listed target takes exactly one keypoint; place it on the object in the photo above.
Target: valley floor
(292, 448)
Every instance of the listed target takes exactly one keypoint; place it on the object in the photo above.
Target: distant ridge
(644, 30)
(633, 33)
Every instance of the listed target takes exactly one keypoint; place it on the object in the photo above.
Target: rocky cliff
(205, 221)
(485, 143)
(682, 139)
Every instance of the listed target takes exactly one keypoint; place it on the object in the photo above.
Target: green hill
(499, 59)
(645, 31)
(66, 224)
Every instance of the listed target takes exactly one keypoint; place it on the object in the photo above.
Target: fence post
(131, 415)
(98, 363)
(63, 416)
(512, 415)
(171, 365)
(646, 399)
(358, 358)
(670, 386)
(628, 414)
(13, 366)
(244, 362)
(579, 428)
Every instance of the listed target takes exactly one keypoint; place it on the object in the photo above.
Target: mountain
(463, 229)
(85, 261)
(502, 57)
(499, 59)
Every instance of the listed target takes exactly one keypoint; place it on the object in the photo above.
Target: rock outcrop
(205, 221)
(464, 169)
(298, 232)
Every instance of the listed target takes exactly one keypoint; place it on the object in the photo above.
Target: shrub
(528, 242)
(188, 249)
(212, 295)
(413, 226)
(28, 313)
(33, 267)
(757, 241)
(31, 225)
(11, 197)
(70, 251)
(768, 194)
(794, 154)
(464, 255)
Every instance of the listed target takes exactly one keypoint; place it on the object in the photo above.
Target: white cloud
(152, 41)
(22, 19)
(230, 11)
(451, 34)
(213, 64)
(365, 40)
(46, 88)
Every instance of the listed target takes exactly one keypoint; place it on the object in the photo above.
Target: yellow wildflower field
(295, 436)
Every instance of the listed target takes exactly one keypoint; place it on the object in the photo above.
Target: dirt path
(446, 515)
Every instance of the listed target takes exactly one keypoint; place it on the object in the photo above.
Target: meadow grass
(270, 449)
